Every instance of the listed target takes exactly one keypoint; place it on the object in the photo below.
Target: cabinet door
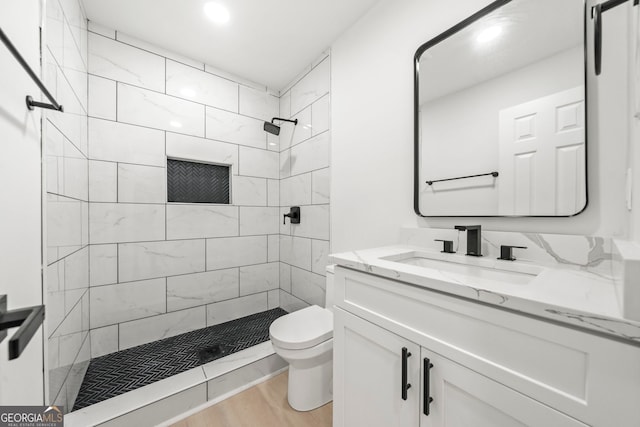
(462, 398)
(368, 375)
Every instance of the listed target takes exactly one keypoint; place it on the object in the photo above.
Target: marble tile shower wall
(304, 182)
(65, 158)
(159, 269)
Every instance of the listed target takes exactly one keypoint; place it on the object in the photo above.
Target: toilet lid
(303, 328)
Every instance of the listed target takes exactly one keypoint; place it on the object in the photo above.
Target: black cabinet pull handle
(405, 385)
(426, 380)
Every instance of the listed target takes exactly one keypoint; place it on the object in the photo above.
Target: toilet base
(310, 387)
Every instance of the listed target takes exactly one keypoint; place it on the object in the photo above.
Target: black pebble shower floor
(116, 373)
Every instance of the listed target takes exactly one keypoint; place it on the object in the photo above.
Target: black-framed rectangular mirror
(500, 113)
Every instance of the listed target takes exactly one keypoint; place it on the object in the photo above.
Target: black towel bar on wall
(596, 15)
(31, 104)
(493, 174)
(27, 320)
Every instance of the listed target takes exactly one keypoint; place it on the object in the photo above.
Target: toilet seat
(302, 329)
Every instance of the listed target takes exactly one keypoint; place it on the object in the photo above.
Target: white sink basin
(472, 270)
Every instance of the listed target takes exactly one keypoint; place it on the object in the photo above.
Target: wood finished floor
(263, 405)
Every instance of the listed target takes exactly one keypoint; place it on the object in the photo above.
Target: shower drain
(206, 355)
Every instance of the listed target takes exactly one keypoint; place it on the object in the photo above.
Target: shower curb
(171, 397)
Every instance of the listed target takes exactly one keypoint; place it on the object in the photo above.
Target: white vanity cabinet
(491, 367)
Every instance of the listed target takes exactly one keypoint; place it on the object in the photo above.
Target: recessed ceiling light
(217, 12)
(489, 34)
(175, 124)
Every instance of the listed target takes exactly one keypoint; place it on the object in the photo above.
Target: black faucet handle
(506, 252)
(447, 247)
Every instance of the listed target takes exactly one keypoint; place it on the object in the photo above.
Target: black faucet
(474, 238)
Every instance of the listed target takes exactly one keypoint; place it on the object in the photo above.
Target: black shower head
(272, 128)
(275, 129)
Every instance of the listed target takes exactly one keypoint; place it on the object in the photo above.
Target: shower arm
(295, 122)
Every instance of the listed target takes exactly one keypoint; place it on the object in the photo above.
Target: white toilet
(304, 339)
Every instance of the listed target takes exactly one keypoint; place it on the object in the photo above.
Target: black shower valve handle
(293, 215)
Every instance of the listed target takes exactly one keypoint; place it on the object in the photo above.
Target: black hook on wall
(596, 15)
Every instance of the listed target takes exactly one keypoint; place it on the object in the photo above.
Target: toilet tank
(328, 302)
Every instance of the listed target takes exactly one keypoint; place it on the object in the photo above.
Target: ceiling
(266, 41)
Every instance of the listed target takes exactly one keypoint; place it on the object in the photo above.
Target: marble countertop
(579, 298)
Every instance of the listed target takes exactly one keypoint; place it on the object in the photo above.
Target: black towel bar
(31, 104)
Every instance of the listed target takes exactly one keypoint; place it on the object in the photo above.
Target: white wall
(372, 136)
(451, 147)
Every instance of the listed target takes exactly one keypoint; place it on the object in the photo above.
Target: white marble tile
(230, 127)
(307, 286)
(290, 303)
(141, 184)
(100, 29)
(319, 254)
(185, 147)
(133, 41)
(320, 191)
(64, 226)
(116, 222)
(244, 377)
(55, 29)
(103, 181)
(69, 347)
(157, 259)
(55, 276)
(312, 87)
(224, 311)
(153, 400)
(285, 105)
(273, 299)
(72, 59)
(118, 61)
(186, 82)
(249, 191)
(76, 270)
(103, 264)
(273, 192)
(102, 98)
(156, 110)
(273, 143)
(104, 341)
(258, 104)
(296, 251)
(236, 251)
(285, 277)
(84, 215)
(193, 221)
(226, 75)
(310, 155)
(314, 224)
(296, 190)
(259, 278)
(156, 412)
(320, 115)
(191, 290)
(73, 173)
(285, 164)
(258, 220)
(155, 328)
(300, 132)
(111, 304)
(118, 142)
(273, 248)
(260, 163)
